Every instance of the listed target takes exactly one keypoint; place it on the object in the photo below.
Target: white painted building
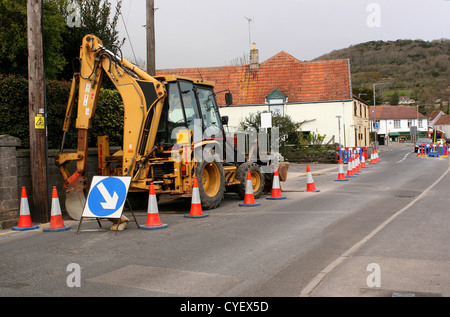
(335, 120)
(395, 123)
(317, 94)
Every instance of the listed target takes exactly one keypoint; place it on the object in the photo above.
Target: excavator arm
(142, 95)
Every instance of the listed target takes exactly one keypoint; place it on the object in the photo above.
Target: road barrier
(438, 150)
(345, 153)
(421, 150)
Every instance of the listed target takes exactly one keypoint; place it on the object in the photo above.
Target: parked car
(421, 141)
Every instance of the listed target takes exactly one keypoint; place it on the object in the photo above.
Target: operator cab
(188, 100)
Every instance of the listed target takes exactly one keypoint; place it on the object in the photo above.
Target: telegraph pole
(37, 113)
(150, 28)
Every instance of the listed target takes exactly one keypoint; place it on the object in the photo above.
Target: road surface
(382, 233)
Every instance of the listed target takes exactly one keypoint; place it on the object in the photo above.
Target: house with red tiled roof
(443, 124)
(395, 123)
(317, 94)
(434, 116)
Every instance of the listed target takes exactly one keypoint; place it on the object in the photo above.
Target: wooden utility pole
(150, 28)
(37, 113)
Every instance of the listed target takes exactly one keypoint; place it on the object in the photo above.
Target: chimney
(254, 57)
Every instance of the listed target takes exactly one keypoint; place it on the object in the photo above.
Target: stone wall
(15, 173)
(9, 202)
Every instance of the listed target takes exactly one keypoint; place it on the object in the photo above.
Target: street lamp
(375, 111)
(339, 123)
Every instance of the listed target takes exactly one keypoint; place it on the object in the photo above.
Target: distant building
(405, 100)
(317, 94)
(443, 124)
(434, 117)
(395, 123)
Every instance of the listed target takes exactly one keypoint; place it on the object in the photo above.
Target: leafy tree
(394, 99)
(414, 65)
(13, 38)
(365, 94)
(287, 127)
(94, 17)
(315, 139)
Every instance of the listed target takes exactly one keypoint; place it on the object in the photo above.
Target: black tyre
(211, 182)
(257, 179)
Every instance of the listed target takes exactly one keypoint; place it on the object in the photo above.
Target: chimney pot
(254, 57)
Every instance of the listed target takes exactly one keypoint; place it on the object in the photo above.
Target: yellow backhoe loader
(172, 132)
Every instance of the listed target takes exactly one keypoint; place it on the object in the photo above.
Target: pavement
(297, 174)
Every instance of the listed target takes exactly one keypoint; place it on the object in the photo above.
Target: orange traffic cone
(310, 187)
(350, 167)
(276, 189)
(358, 163)
(56, 221)
(196, 205)
(354, 163)
(377, 158)
(249, 198)
(363, 161)
(372, 157)
(24, 215)
(341, 175)
(153, 221)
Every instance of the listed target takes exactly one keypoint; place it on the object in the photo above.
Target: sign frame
(106, 198)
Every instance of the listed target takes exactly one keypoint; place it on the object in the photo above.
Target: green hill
(414, 68)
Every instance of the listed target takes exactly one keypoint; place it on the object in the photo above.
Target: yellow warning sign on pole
(39, 122)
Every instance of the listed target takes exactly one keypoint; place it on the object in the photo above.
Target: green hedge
(310, 153)
(14, 113)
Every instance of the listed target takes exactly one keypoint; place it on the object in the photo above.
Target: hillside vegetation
(414, 68)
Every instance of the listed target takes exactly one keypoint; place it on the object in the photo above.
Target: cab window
(189, 103)
(209, 115)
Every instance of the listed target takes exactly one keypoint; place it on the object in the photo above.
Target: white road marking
(319, 277)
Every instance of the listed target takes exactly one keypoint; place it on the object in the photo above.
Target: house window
(397, 124)
(376, 124)
(277, 110)
(355, 108)
(276, 101)
(420, 123)
(409, 123)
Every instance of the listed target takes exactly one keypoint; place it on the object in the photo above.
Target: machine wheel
(211, 182)
(257, 179)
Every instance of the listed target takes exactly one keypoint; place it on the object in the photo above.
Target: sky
(208, 33)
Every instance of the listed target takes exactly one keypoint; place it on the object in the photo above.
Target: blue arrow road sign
(106, 197)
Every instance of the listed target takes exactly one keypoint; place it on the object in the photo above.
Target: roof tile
(395, 112)
(300, 81)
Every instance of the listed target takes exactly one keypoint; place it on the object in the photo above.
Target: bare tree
(244, 59)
